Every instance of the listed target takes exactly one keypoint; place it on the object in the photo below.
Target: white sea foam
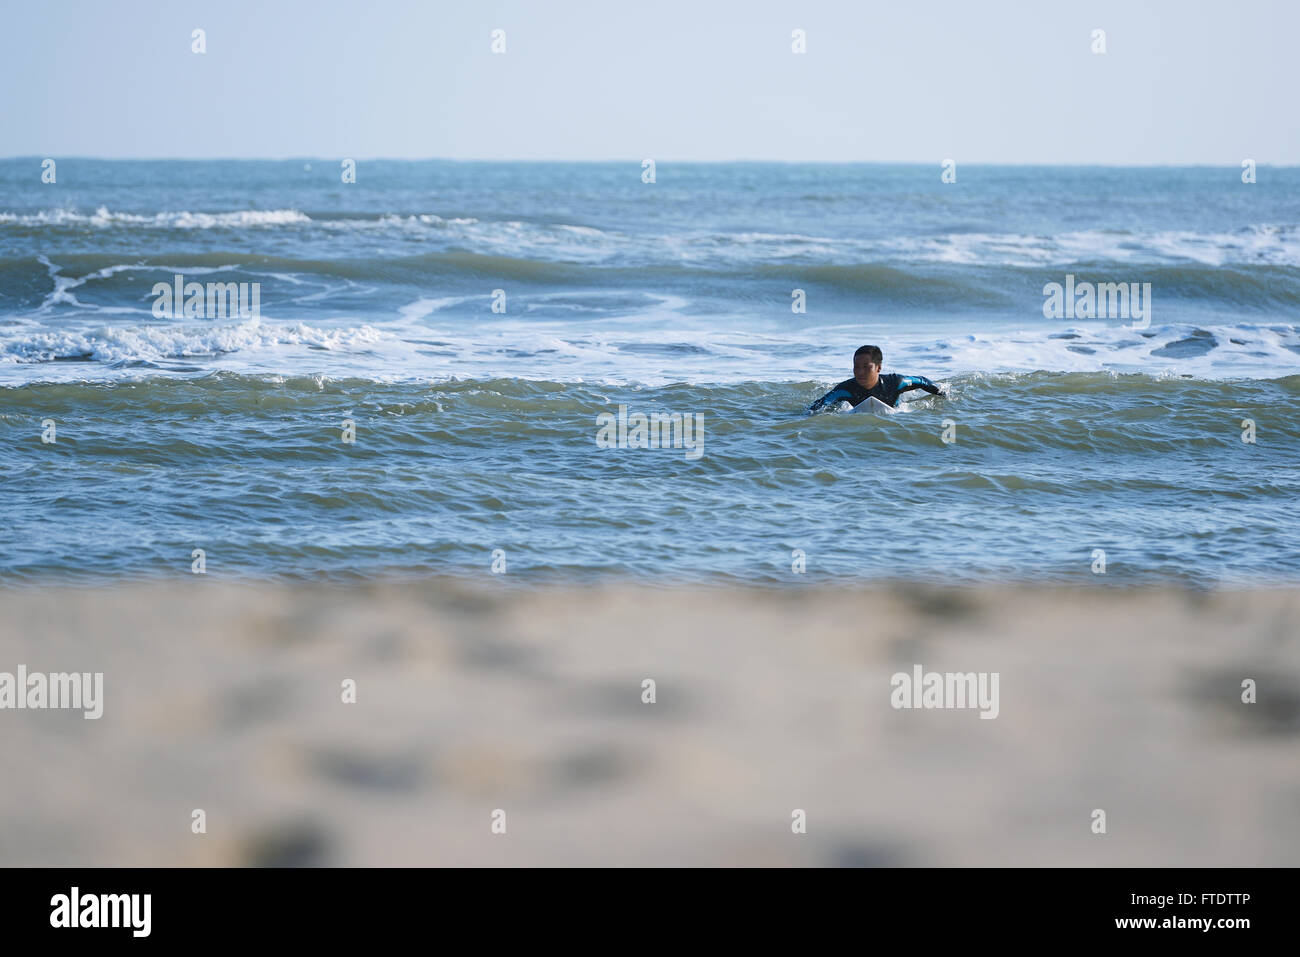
(62, 294)
(151, 343)
(1257, 244)
(182, 219)
(1262, 244)
(661, 347)
(427, 306)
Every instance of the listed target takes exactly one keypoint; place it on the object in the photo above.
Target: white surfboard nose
(874, 406)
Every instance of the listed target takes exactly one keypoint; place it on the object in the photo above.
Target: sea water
(420, 384)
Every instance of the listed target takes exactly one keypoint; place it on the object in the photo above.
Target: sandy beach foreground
(469, 701)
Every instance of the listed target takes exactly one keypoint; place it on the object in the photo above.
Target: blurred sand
(227, 698)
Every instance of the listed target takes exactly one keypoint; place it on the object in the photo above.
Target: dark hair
(872, 352)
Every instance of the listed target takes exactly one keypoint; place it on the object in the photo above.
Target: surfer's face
(865, 371)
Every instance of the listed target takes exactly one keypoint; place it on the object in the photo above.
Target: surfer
(867, 382)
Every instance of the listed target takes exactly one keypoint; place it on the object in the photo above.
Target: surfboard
(874, 406)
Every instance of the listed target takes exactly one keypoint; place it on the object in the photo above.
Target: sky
(1180, 83)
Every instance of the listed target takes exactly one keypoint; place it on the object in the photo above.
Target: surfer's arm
(909, 382)
(836, 394)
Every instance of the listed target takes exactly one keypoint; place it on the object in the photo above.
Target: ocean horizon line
(658, 160)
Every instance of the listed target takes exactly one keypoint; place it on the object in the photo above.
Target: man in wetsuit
(867, 382)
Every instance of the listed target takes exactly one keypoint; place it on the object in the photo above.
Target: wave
(411, 348)
(1261, 287)
(123, 344)
(1016, 290)
(1100, 391)
(1259, 244)
(618, 336)
(182, 219)
(186, 219)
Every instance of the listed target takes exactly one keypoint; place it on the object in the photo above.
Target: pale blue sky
(1003, 82)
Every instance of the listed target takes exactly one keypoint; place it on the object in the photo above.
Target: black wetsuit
(887, 389)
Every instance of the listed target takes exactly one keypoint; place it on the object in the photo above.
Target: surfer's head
(866, 365)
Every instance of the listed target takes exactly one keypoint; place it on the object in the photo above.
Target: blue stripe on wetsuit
(908, 382)
(835, 395)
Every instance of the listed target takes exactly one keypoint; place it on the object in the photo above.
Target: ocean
(421, 386)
